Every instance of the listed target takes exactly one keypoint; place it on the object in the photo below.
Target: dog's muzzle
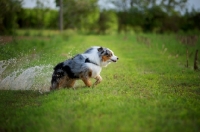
(114, 59)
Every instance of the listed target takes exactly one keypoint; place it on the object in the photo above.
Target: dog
(82, 66)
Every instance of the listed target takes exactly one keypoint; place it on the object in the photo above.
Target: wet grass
(149, 89)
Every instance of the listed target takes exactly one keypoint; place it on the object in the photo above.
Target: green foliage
(148, 89)
(155, 18)
(190, 21)
(107, 21)
(80, 14)
(9, 10)
(152, 16)
(38, 18)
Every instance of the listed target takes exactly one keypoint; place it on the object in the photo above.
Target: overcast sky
(51, 3)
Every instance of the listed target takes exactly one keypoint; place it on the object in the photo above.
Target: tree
(61, 15)
(8, 15)
(107, 21)
(149, 15)
(79, 14)
(171, 5)
(167, 5)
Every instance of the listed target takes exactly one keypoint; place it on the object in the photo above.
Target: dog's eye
(107, 54)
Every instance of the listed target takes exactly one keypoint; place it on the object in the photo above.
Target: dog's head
(106, 56)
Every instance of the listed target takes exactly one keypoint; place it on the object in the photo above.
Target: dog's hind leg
(98, 80)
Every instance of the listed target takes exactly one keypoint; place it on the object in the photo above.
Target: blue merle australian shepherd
(82, 66)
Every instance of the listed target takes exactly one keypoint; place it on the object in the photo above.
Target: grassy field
(148, 89)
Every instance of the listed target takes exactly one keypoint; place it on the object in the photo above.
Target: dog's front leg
(70, 83)
(87, 82)
(98, 80)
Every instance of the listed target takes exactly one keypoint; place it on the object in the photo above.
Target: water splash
(4, 64)
(31, 78)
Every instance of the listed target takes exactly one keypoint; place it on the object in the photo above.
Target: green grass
(148, 89)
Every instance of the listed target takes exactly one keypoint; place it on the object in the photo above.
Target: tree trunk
(61, 16)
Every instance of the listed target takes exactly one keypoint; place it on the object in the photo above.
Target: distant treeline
(86, 16)
(38, 18)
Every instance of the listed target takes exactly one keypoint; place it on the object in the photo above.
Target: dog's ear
(100, 49)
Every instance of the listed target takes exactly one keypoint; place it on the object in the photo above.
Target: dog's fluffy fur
(82, 66)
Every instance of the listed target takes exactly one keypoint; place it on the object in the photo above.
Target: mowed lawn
(148, 89)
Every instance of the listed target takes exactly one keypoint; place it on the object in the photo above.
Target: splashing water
(4, 65)
(32, 78)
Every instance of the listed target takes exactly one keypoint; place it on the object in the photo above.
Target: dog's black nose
(117, 58)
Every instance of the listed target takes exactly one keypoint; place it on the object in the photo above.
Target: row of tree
(86, 15)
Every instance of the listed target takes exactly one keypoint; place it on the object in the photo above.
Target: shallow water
(31, 78)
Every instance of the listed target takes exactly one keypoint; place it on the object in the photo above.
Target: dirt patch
(190, 40)
(5, 39)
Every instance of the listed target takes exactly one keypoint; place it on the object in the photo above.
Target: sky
(51, 4)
